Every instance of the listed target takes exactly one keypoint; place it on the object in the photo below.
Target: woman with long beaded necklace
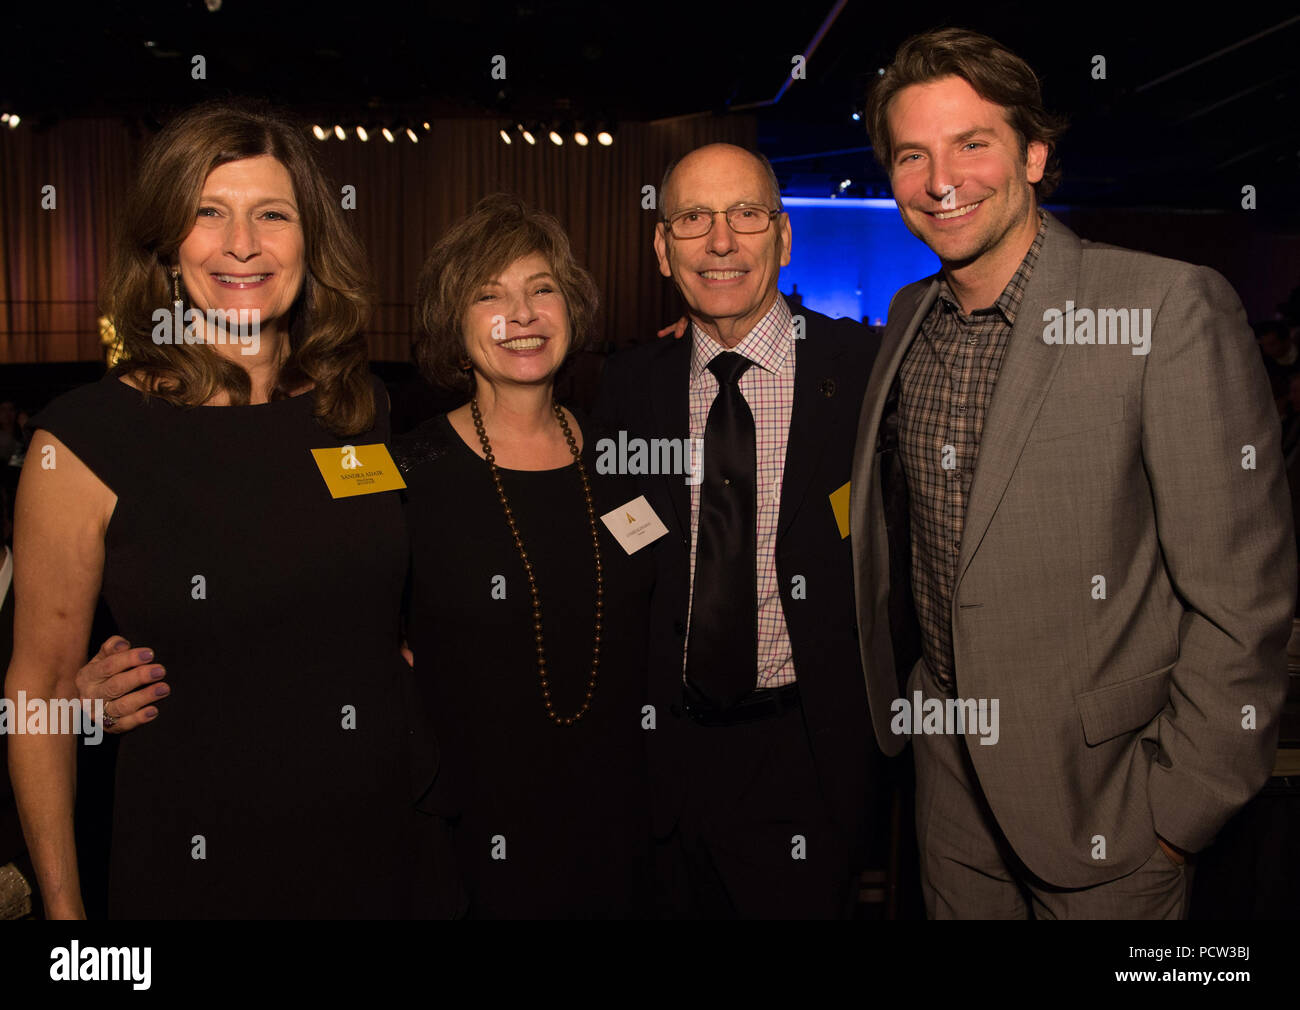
(528, 619)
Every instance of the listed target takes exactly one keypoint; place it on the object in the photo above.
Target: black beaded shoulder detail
(419, 446)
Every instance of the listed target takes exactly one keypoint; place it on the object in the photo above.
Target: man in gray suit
(1070, 523)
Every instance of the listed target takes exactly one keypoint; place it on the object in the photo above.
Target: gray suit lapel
(892, 351)
(1026, 373)
(868, 537)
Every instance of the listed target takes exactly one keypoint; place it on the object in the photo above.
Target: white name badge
(634, 525)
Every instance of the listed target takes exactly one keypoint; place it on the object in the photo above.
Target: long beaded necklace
(528, 567)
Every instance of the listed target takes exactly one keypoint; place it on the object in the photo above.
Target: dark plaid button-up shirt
(946, 385)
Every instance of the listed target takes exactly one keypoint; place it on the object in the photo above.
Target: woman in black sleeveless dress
(300, 806)
(280, 783)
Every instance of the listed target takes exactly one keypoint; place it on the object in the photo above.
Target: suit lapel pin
(828, 388)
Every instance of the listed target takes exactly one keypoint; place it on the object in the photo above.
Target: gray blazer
(1154, 709)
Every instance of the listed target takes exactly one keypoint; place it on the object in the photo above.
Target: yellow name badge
(358, 469)
(840, 506)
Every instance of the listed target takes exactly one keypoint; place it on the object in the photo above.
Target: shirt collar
(1013, 294)
(768, 344)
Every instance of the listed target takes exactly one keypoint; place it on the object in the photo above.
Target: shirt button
(961, 410)
(956, 546)
(972, 340)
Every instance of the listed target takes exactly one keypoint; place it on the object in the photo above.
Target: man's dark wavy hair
(996, 73)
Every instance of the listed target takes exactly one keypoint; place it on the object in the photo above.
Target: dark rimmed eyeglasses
(744, 219)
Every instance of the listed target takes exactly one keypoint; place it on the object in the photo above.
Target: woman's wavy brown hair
(500, 230)
(996, 73)
(325, 344)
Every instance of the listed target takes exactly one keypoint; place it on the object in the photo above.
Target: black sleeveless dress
(550, 822)
(280, 776)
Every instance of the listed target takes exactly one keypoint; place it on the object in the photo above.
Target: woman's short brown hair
(996, 73)
(500, 230)
(326, 345)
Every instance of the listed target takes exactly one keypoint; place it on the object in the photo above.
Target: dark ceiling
(1193, 107)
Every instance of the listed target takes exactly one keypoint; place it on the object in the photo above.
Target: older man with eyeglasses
(762, 759)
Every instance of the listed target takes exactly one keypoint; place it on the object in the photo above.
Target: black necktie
(722, 649)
